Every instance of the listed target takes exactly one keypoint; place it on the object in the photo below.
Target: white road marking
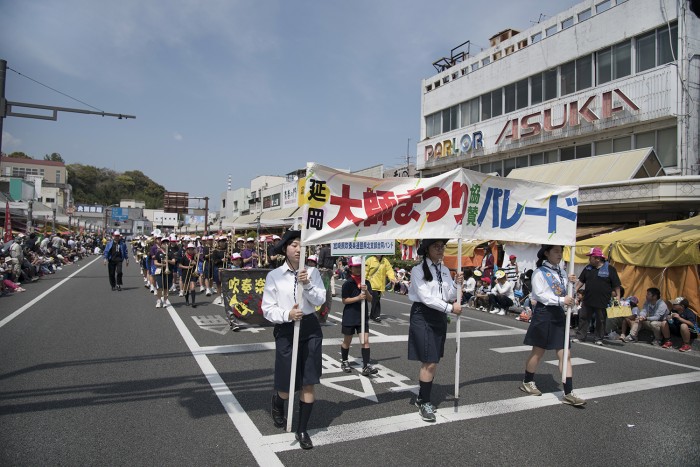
(35, 300)
(399, 423)
(574, 361)
(243, 423)
(515, 348)
(371, 331)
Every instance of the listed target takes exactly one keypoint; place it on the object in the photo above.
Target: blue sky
(247, 88)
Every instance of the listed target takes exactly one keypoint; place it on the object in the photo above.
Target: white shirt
(470, 285)
(429, 293)
(541, 291)
(278, 295)
(503, 289)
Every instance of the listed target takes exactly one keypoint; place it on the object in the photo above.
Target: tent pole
(570, 292)
(459, 320)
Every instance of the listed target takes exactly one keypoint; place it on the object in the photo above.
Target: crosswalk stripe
(515, 348)
(574, 361)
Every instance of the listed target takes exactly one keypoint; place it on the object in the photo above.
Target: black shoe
(119, 288)
(304, 440)
(278, 417)
(377, 319)
(113, 289)
(235, 327)
(194, 305)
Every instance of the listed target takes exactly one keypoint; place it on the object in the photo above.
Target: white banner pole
(459, 320)
(295, 345)
(570, 292)
(363, 304)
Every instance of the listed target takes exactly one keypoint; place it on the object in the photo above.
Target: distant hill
(105, 186)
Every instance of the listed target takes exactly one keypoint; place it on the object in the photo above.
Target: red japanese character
(404, 209)
(439, 213)
(345, 204)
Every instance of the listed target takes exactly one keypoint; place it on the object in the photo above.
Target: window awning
(619, 166)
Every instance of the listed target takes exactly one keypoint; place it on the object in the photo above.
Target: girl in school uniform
(279, 306)
(352, 295)
(547, 328)
(434, 295)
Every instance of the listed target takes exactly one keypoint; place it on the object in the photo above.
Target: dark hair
(684, 303)
(655, 292)
(540, 254)
(468, 273)
(426, 270)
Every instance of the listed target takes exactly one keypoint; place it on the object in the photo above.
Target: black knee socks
(425, 389)
(344, 353)
(304, 415)
(528, 377)
(365, 357)
(568, 385)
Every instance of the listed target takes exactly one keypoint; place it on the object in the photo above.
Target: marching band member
(208, 266)
(164, 274)
(279, 306)
(547, 329)
(434, 295)
(188, 265)
(249, 255)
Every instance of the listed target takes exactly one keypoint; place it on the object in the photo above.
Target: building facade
(598, 78)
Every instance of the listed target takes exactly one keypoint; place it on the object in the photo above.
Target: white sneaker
(502, 313)
(214, 290)
(208, 292)
(167, 303)
(158, 304)
(494, 311)
(201, 288)
(181, 294)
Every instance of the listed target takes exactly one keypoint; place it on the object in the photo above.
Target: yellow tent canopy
(667, 244)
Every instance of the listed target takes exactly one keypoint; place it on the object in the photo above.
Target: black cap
(287, 238)
(425, 244)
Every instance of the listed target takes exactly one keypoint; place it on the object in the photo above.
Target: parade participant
(279, 306)
(155, 247)
(217, 259)
(312, 261)
(275, 260)
(188, 265)
(115, 254)
(352, 295)
(236, 261)
(249, 255)
(175, 248)
(208, 265)
(164, 262)
(240, 245)
(547, 328)
(433, 293)
(378, 270)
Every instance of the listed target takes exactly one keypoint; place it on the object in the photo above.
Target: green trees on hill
(105, 186)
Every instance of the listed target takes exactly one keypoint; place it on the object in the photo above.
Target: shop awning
(619, 166)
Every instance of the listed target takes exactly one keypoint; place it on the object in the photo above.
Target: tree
(55, 157)
(19, 155)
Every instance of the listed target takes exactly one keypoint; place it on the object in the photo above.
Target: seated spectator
(628, 321)
(651, 317)
(483, 287)
(502, 296)
(469, 286)
(402, 282)
(682, 322)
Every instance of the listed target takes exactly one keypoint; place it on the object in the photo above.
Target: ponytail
(426, 271)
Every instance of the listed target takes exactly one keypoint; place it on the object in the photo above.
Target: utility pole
(30, 208)
(408, 159)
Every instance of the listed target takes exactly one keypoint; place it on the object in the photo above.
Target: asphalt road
(94, 377)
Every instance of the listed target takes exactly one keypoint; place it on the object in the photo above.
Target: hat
(158, 235)
(486, 280)
(500, 273)
(402, 270)
(289, 236)
(597, 252)
(222, 238)
(275, 237)
(355, 261)
(313, 258)
(633, 299)
(240, 239)
(165, 239)
(425, 244)
(677, 300)
(477, 273)
(173, 238)
(236, 256)
(512, 257)
(250, 239)
(190, 245)
(116, 232)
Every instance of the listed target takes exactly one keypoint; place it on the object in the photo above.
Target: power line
(55, 90)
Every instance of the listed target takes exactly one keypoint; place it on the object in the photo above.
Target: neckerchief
(552, 274)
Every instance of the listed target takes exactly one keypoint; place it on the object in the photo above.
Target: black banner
(243, 290)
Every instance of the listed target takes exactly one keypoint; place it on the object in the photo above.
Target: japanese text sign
(374, 247)
(344, 207)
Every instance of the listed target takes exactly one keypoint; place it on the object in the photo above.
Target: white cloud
(177, 136)
(9, 141)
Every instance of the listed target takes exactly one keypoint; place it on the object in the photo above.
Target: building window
(645, 140)
(603, 147)
(584, 72)
(50, 200)
(433, 124)
(567, 23)
(509, 98)
(536, 89)
(603, 66)
(535, 38)
(550, 30)
(622, 144)
(602, 6)
(58, 176)
(646, 51)
(551, 156)
(666, 147)
(486, 106)
(536, 159)
(622, 59)
(521, 161)
(568, 78)
(475, 66)
(497, 102)
(521, 94)
(567, 154)
(584, 15)
(668, 45)
(583, 150)
(508, 165)
(486, 61)
(550, 84)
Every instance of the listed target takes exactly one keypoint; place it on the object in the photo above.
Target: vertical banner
(243, 288)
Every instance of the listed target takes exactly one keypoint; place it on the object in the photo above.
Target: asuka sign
(572, 114)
